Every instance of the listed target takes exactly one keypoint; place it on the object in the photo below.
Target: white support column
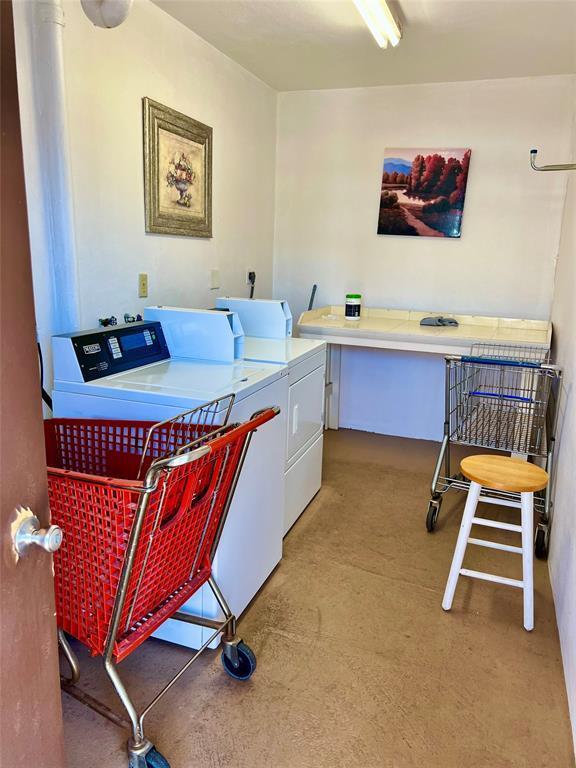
(52, 114)
(38, 30)
(333, 386)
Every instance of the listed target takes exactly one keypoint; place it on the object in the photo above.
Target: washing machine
(129, 372)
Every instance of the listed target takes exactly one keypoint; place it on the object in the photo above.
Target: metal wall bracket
(560, 167)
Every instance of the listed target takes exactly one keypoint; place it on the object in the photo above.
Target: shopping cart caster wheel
(541, 544)
(432, 516)
(155, 759)
(246, 663)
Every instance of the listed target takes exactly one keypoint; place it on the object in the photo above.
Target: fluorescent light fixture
(379, 21)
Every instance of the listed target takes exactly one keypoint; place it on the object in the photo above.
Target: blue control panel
(119, 348)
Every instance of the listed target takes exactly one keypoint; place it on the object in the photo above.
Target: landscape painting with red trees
(423, 192)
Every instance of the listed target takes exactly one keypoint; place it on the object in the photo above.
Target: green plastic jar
(352, 306)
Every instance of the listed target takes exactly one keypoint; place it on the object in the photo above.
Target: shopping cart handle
(500, 361)
(171, 462)
(264, 415)
(238, 431)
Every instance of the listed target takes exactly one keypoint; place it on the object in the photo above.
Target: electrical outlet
(250, 277)
(142, 285)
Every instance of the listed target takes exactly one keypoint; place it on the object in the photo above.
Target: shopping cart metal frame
(200, 422)
(237, 658)
(519, 368)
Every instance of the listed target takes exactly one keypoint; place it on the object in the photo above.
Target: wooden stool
(500, 473)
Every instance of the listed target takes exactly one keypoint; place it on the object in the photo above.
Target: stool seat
(504, 473)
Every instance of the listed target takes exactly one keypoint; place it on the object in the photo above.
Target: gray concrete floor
(358, 666)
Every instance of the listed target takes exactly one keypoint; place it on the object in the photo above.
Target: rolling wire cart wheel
(541, 544)
(433, 512)
(246, 663)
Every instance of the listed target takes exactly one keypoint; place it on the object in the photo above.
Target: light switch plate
(142, 285)
(214, 279)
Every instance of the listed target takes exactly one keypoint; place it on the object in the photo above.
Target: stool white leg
(466, 525)
(527, 504)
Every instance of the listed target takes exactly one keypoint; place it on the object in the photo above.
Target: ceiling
(308, 44)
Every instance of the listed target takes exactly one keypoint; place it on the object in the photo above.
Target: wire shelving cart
(504, 398)
(142, 507)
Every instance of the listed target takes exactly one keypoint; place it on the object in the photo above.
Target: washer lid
(181, 382)
(288, 351)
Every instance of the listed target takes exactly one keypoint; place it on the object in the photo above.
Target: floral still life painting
(423, 192)
(177, 172)
(181, 176)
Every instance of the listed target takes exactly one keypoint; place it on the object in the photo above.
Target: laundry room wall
(562, 559)
(107, 72)
(331, 147)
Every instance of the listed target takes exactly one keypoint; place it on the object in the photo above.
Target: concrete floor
(358, 666)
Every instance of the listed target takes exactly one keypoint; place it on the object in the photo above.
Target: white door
(306, 400)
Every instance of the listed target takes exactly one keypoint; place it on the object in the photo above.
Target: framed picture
(423, 192)
(177, 172)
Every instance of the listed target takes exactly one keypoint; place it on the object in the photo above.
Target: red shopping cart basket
(135, 549)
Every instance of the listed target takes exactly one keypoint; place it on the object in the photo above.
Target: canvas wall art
(177, 172)
(423, 192)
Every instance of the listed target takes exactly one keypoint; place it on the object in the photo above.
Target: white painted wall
(392, 392)
(107, 74)
(562, 559)
(329, 163)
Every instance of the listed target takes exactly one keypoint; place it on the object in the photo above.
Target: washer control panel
(106, 351)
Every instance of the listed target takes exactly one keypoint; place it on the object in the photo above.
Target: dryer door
(305, 411)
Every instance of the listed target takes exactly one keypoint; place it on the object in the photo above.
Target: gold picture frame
(177, 172)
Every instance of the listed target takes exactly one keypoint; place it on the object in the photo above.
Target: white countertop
(401, 329)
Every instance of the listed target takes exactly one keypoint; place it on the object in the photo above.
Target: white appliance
(306, 362)
(270, 340)
(269, 318)
(128, 372)
(205, 334)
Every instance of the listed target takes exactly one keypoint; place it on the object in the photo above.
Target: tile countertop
(401, 329)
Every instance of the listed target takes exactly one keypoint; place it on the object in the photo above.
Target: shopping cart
(142, 507)
(504, 398)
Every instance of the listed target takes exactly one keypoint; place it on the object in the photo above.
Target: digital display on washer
(139, 340)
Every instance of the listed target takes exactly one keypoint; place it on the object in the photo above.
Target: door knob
(27, 531)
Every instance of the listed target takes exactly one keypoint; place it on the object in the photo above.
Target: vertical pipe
(51, 116)
(38, 28)
(448, 388)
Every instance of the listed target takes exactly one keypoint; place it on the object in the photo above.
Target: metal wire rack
(499, 402)
(520, 353)
(499, 397)
(176, 434)
(105, 447)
